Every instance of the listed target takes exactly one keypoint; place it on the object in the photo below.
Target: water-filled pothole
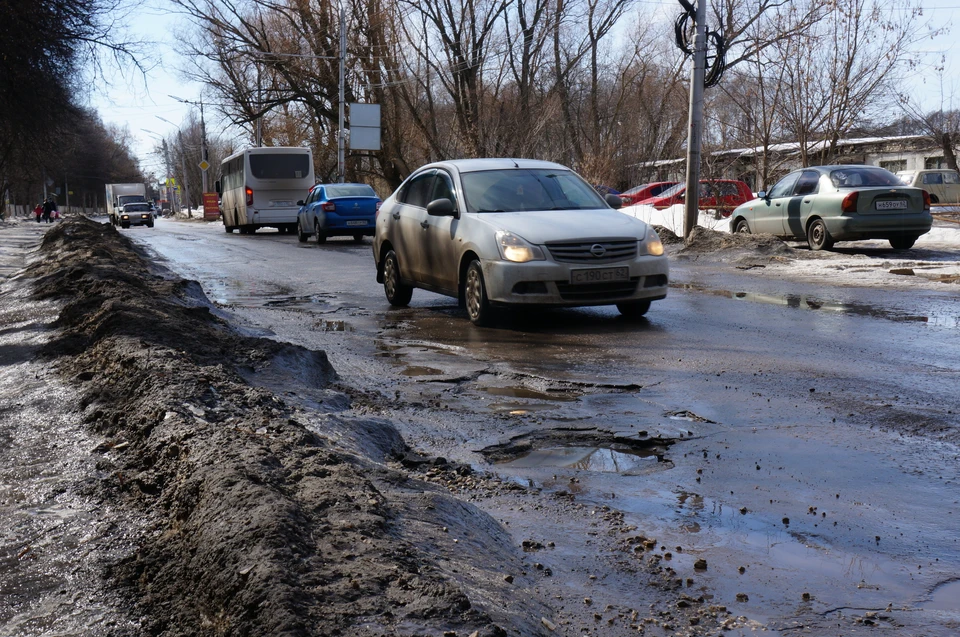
(946, 596)
(599, 459)
(532, 394)
(415, 370)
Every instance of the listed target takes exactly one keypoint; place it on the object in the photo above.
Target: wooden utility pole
(691, 208)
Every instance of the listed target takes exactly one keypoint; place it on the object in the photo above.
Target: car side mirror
(614, 201)
(440, 208)
(762, 194)
(300, 202)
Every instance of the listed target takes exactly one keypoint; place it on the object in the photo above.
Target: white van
(259, 188)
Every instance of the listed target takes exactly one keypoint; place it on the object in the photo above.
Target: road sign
(204, 165)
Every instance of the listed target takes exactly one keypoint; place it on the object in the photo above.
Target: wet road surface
(811, 455)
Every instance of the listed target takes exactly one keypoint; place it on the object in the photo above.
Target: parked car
(521, 233)
(640, 193)
(942, 184)
(825, 204)
(722, 195)
(338, 210)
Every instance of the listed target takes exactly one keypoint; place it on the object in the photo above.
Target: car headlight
(517, 249)
(651, 243)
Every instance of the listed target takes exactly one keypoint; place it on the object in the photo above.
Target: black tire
(319, 232)
(229, 229)
(125, 226)
(741, 227)
(358, 238)
(818, 237)
(634, 309)
(301, 235)
(398, 293)
(902, 243)
(479, 310)
(150, 225)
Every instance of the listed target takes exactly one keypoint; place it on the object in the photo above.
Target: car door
(801, 204)
(407, 219)
(440, 243)
(771, 211)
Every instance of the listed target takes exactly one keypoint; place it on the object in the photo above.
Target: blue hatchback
(338, 210)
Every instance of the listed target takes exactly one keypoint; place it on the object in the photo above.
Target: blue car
(338, 210)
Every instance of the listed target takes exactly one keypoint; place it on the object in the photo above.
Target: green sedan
(825, 204)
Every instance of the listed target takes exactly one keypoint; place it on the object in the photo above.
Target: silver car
(514, 232)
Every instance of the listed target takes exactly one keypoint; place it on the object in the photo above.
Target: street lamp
(166, 162)
(203, 138)
(183, 166)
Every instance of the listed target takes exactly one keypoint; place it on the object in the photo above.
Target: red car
(722, 195)
(638, 194)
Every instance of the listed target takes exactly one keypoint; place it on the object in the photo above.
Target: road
(807, 427)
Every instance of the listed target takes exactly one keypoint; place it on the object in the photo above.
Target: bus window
(279, 166)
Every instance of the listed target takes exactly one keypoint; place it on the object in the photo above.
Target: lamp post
(203, 139)
(183, 165)
(166, 163)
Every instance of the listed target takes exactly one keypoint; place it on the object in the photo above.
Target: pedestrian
(38, 211)
(49, 206)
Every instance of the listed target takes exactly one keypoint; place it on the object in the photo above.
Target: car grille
(583, 251)
(597, 291)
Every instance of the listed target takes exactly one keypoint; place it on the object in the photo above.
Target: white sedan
(514, 232)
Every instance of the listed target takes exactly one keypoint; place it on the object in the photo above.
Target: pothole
(598, 459)
(946, 597)
(532, 394)
(415, 370)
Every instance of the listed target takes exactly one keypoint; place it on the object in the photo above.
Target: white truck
(118, 196)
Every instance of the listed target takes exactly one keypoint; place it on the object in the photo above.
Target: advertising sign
(211, 206)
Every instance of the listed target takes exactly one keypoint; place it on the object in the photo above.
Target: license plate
(278, 203)
(893, 204)
(600, 275)
(358, 222)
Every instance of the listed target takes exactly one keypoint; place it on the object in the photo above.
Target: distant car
(338, 210)
(136, 213)
(638, 194)
(825, 204)
(722, 195)
(605, 190)
(514, 232)
(942, 184)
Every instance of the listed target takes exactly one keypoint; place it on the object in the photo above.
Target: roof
(475, 165)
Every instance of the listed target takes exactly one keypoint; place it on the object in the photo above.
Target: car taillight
(377, 209)
(249, 196)
(329, 206)
(849, 203)
(926, 200)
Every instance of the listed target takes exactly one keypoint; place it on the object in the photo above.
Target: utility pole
(183, 170)
(695, 131)
(166, 182)
(341, 135)
(203, 140)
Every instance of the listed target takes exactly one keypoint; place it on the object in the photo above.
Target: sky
(137, 102)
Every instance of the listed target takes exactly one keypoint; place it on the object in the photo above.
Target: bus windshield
(279, 166)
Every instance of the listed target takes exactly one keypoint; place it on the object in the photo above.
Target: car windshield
(673, 190)
(136, 207)
(863, 176)
(350, 190)
(519, 189)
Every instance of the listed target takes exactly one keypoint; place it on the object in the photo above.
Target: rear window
(349, 190)
(863, 176)
(279, 166)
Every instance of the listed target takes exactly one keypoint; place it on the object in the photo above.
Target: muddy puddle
(816, 303)
(600, 459)
(945, 597)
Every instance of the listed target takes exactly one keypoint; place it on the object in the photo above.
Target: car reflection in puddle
(597, 459)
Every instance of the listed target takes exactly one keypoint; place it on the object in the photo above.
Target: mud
(218, 485)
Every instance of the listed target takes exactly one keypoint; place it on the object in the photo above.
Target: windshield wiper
(485, 210)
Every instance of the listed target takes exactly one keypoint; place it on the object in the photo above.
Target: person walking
(38, 211)
(48, 207)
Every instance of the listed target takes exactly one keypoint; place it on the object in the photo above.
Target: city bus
(259, 188)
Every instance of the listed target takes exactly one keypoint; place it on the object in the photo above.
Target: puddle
(333, 325)
(598, 459)
(810, 302)
(420, 371)
(523, 392)
(945, 597)
(518, 409)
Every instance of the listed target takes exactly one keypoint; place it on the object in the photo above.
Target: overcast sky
(128, 102)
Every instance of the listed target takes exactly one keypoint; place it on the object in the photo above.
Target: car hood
(566, 225)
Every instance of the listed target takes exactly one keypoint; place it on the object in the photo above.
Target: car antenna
(515, 164)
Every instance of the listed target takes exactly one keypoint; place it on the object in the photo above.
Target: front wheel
(475, 296)
(818, 237)
(398, 293)
(634, 309)
(902, 243)
(741, 227)
(301, 235)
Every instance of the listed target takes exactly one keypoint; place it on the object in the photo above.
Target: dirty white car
(514, 232)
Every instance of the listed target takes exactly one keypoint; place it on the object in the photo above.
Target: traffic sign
(204, 164)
